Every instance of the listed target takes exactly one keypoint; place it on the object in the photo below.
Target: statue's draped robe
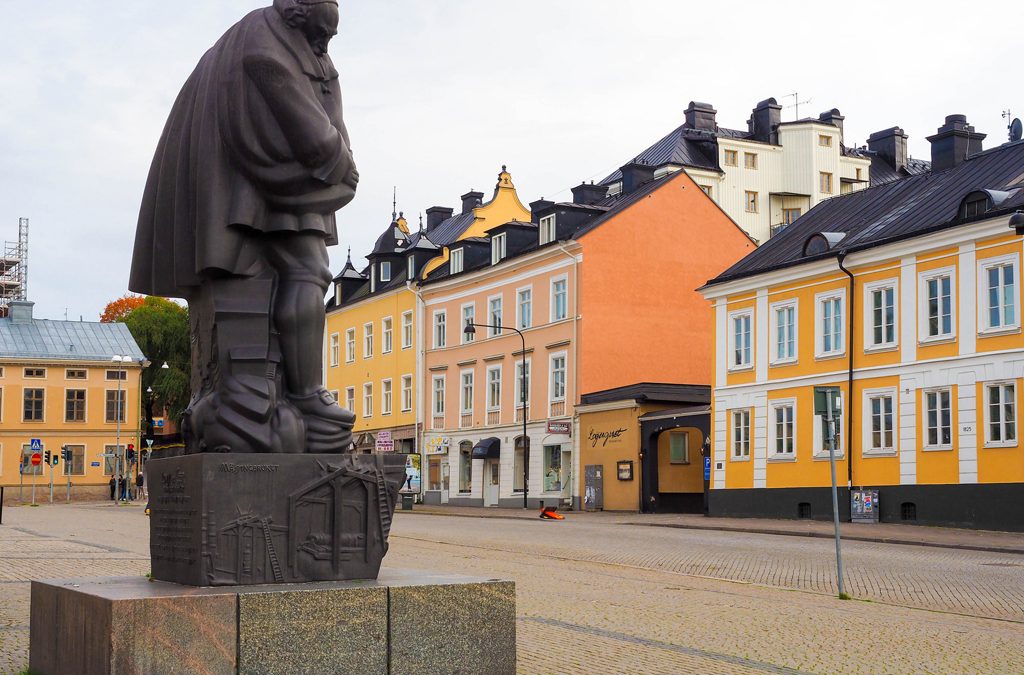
(255, 143)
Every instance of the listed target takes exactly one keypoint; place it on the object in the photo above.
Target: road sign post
(51, 483)
(827, 404)
(37, 459)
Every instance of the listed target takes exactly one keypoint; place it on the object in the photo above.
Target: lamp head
(1017, 222)
(470, 329)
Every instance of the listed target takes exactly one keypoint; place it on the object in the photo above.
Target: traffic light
(46, 455)
(131, 452)
(65, 454)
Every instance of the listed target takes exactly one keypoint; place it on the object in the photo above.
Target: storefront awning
(488, 448)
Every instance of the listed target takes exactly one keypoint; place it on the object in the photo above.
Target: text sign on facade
(384, 442)
(562, 428)
(436, 445)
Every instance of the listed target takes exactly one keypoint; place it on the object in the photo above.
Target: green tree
(161, 329)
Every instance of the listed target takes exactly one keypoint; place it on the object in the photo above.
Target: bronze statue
(236, 218)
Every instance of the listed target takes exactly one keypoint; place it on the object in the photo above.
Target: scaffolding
(14, 269)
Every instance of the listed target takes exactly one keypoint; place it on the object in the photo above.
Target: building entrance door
(445, 479)
(566, 476)
(492, 468)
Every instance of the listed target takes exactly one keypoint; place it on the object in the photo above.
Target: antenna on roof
(796, 102)
(1013, 125)
(394, 203)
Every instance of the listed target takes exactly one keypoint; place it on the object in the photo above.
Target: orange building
(593, 295)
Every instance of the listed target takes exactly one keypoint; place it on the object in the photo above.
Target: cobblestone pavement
(597, 596)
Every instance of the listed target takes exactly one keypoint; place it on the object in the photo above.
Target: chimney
(588, 194)
(20, 311)
(538, 206)
(891, 145)
(437, 215)
(765, 119)
(634, 175)
(955, 141)
(835, 118)
(701, 116)
(471, 200)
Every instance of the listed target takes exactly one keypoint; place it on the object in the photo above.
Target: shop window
(553, 468)
(465, 466)
(434, 472)
(517, 466)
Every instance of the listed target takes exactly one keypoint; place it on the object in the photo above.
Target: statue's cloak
(255, 143)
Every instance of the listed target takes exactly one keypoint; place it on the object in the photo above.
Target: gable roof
(897, 210)
(683, 146)
(67, 340)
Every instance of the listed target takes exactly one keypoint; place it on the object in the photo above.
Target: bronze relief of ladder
(271, 552)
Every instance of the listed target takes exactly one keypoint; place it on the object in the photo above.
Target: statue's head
(317, 19)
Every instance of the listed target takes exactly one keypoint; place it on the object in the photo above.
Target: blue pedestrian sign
(37, 445)
(707, 468)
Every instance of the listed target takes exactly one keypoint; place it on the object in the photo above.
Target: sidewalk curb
(847, 537)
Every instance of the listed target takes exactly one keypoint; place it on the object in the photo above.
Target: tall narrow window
(938, 297)
(519, 382)
(741, 434)
(335, 350)
(440, 329)
(74, 408)
(494, 388)
(385, 271)
(559, 299)
(33, 408)
(385, 397)
(679, 448)
(367, 400)
(558, 378)
(825, 183)
(882, 323)
(438, 404)
(750, 160)
(406, 330)
(494, 311)
(939, 419)
(115, 406)
(497, 248)
(783, 429)
(456, 261)
(368, 341)
(785, 332)
(76, 467)
(831, 325)
(350, 399)
(524, 309)
(547, 230)
(386, 340)
(467, 391)
(1000, 303)
(741, 340)
(468, 317)
(1002, 414)
(406, 393)
(751, 200)
(350, 345)
(466, 466)
(881, 410)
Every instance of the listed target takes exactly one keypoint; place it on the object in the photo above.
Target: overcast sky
(440, 93)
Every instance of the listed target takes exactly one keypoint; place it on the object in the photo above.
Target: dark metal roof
(683, 147)
(889, 212)
(882, 172)
(684, 411)
(448, 231)
(652, 392)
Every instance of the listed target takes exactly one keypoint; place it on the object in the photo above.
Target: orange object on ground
(550, 513)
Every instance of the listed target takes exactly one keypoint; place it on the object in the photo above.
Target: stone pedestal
(403, 622)
(222, 519)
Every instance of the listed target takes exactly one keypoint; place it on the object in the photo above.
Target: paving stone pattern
(596, 596)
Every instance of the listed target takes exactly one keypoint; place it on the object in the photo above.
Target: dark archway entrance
(675, 483)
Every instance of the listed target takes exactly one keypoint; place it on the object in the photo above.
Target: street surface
(600, 595)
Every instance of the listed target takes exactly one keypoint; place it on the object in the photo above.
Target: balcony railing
(493, 417)
(519, 414)
(557, 408)
(466, 420)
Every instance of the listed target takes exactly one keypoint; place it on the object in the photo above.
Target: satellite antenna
(1015, 127)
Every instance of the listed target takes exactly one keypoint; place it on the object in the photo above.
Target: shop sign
(563, 428)
(603, 438)
(384, 442)
(437, 445)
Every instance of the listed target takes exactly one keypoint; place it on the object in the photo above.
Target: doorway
(492, 472)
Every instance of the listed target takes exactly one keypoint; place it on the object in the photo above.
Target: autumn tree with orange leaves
(119, 309)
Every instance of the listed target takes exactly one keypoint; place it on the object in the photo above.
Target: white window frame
(751, 206)
(819, 318)
(467, 337)
(437, 395)
(922, 305)
(386, 395)
(350, 398)
(407, 393)
(350, 345)
(499, 248)
(408, 333)
(387, 331)
(820, 450)
(869, 315)
(984, 327)
(1003, 443)
(747, 313)
(553, 397)
(750, 161)
(439, 326)
(335, 350)
(410, 268)
(463, 382)
(553, 313)
(517, 388)
(773, 316)
(868, 447)
(926, 427)
(548, 230)
(368, 399)
(740, 443)
(457, 262)
(494, 403)
(495, 332)
(773, 454)
(524, 322)
(368, 340)
(385, 271)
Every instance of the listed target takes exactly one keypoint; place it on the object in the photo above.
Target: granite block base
(402, 622)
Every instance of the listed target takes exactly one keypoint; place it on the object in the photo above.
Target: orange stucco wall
(642, 319)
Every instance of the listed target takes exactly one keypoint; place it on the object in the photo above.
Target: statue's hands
(352, 178)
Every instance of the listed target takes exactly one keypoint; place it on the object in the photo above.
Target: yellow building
(59, 384)
(909, 295)
(373, 335)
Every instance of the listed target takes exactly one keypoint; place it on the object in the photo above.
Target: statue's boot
(328, 425)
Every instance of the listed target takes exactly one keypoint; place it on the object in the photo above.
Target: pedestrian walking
(140, 485)
(113, 486)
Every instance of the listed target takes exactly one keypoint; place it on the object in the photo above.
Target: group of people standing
(129, 490)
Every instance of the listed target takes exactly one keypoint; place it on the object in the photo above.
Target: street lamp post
(119, 360)
(524, 396)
